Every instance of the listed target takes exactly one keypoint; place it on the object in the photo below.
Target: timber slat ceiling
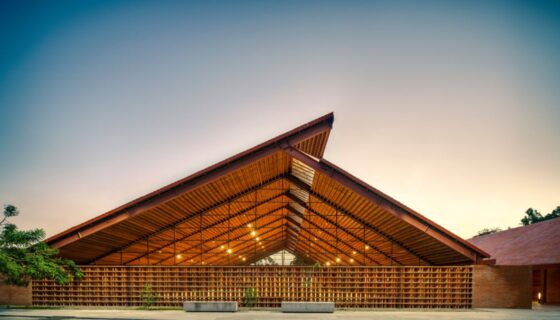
(278, 195)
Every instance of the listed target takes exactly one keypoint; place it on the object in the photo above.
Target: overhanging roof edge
(403, 212)
(418, 216)
(322, 124)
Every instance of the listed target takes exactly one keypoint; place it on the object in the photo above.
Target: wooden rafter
(212, 225)
(194, 215)
(348, 232)
(208, 175)
(358, 251)
(238, 237)
(413, 219)
(302, 185)
(319, 240)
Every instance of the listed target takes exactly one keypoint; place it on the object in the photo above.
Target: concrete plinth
(210, 306)
(307, 307)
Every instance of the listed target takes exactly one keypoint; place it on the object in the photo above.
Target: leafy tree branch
(24, 256)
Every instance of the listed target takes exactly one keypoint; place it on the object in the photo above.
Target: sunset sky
(452, 108)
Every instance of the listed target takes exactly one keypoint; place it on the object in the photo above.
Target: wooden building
(198, 238)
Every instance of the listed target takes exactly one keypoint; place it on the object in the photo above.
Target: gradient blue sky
(451, 107)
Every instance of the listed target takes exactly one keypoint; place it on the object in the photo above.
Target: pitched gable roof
(284, 189)
(535, 244)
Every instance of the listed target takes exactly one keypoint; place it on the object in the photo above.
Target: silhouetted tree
(24, 256)
(486, 231)
(533, 216)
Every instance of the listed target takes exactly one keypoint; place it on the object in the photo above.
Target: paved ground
(547, 313)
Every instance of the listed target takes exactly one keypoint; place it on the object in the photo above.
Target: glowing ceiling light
(328, 263)
(249, 225)
(367, 247)
(229, 251)
(222, 247)
(257, 238)
(337, 259)
(253, 233)
(353, 252)
(244, 259)
(351, 260)
(179, 256)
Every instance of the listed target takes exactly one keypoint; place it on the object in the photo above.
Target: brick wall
(553, 285)
(502, 286)
(11, 295)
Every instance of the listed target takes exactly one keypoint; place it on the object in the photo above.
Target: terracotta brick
(12, 295)
(553, 286)
(502, 286)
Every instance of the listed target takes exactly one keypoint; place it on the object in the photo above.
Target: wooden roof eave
(390, 205)
(135, 207)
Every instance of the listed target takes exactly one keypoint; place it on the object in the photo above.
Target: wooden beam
(350, 233)
(322, 241)
(194, 181)
(317, 255)
(414, 219)
(234, 239)
(213, 224)
(248, 248)
(334, 236)
(190, 217)
(302, 185)
(265, 254)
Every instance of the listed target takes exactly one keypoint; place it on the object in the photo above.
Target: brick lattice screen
(348, 287)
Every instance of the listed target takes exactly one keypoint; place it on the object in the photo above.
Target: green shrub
(250, 297)
(148, 295)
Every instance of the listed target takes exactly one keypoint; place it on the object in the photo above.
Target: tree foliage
(250, 297)
(301, 261)
(268, 261)
(533, 216)
(149, 296)
(24, 256)
(486, 231)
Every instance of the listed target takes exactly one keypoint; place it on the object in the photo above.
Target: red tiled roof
(535, 244)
